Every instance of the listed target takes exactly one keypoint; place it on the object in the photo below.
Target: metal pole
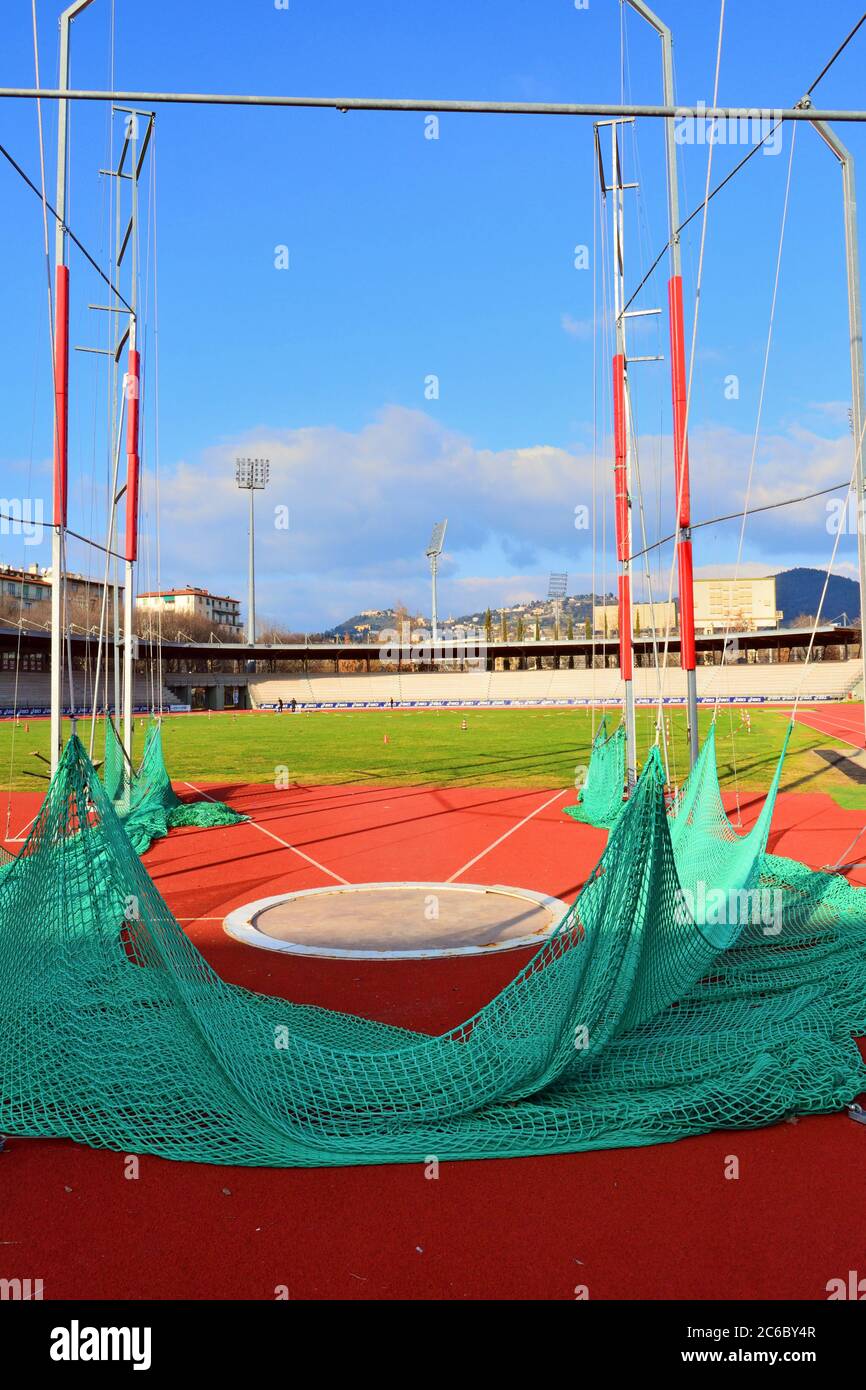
(858, 392)
(434, 564)
(600, 110)
(622, 469)
(133, 380)
(251, 616)
(678, 385)
(61, 395)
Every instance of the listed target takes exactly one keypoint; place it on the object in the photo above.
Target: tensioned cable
(109, 552)
(607, 418)
(596, 201)
(649, 586)
(760, 410)
(76, 535)
(823, 73)
(744, 161)
(643, 228)
(20, 620)
(736, 516)
(679, 470)
(708, 199)
(67, 229)
(857, 451)
(56, 579)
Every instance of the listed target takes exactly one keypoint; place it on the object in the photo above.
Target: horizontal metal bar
(628, 314)
(104, 351)
(645, 359)
(133, 111)
(493, 108)
(119, 309)
(112, 174)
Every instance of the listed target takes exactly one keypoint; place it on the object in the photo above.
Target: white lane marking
(279, 840)
(512, 831)
(21, 836)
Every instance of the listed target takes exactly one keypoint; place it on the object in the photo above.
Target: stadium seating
(820, 679)
(33, 692)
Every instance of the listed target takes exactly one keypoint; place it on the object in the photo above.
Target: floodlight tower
(434, 550)
(556, 591)
(252, 475)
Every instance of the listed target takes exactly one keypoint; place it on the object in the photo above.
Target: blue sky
(411, 257)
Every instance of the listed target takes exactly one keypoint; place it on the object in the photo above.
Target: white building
(736, 605)
(644, 616)
(194, 603)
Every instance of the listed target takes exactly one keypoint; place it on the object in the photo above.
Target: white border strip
(240, 922)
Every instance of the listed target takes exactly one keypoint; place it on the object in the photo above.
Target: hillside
(576, 607)
(798, 591)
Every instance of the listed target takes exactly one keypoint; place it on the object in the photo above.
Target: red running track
(839, 721)
(649, 1223)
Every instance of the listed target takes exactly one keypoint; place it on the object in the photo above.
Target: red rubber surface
(649, 1223)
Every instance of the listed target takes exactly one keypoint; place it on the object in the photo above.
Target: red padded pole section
(620, 483)
(687, 606)
(132, 398)
(678, 392)
(681, 472)
(624, 585)
(61, 394)
(131, 506)
(620, 487)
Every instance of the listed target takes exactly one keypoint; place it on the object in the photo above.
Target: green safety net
(144, 799)
(649, 1014)
(601, 797)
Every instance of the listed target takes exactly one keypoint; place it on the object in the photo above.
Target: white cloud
(361, 505)
(576, 328)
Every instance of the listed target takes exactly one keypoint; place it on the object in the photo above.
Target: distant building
(31, 587)
(645, 616)
(194, 603)
(736, 605)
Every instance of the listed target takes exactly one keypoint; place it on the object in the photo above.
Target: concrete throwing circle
(397, 921)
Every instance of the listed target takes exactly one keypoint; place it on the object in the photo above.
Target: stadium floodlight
(433, 551)
(556, 589)
(557, 586)
(251, 475)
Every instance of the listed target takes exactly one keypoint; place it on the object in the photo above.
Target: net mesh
(639, 1020)
(601, 796)
(144, 799)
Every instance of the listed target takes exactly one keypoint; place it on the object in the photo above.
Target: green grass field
(508, 748)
